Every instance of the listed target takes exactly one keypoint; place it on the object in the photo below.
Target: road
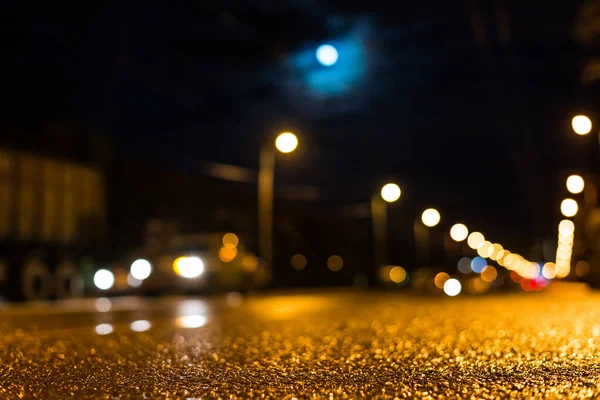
(343, 344)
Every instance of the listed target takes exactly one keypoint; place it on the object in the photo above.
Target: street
(344, 344)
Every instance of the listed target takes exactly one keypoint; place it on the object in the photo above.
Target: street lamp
(429, 218)
(569, 207)
(581, 124)
(389, 193)
(459, 232)
(575, 184)
(285, 142)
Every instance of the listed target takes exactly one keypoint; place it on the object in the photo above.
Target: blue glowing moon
(327, 55)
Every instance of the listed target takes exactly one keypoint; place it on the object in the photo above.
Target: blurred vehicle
(188, 263)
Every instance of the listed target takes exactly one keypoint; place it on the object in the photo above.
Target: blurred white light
(549, 270)
(569, 207)
(430, 217)
(566, 227)
(140, 325)
(141, 269)
(191, 321)
(103, 304)
(475, 240)
(189, 267)
(390, 192)
(104, 279)
(581, 124)
(459, 232)
(133, 282)
(575, 184)
(286, 142)
(104, 329)
(327, 55)
(452, 287)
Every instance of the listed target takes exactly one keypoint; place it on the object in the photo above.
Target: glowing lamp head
(452, 287)
(475, 240)
(459, 232)
(581, 124)
(104, 279)
(286, 142)
(431, 217)
(575, 184)
(569, 207)
(140, 269)
(327, 55)
(390, 192)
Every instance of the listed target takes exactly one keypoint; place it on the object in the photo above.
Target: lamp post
(286, 142)
(389, 194)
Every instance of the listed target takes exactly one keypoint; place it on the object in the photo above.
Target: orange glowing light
(335, 263)
(440, 279)
(227, 254)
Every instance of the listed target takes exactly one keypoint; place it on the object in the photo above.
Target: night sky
(466, 105)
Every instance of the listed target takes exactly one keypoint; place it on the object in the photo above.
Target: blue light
(343, 74)
(478, 264)
(327, 55)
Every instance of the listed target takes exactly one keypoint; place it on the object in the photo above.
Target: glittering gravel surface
(337, 345)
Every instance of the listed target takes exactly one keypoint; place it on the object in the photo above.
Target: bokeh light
(485, 250)
(298, 262)
(581, 124)
(452, 287)
(575, 184)
(140, 269)
(335, 263)
(104, 279)
(397, 274)
(286, 142)
(103, 304)
(104, 329)
(250, 263)
(134, 282)
(188, 267)
(475, 240)
(464, 265)
(230, 240)
(327, 55)
(497, 251)
(227, 254)
(478, 264)
(489, 274)
(140, 325)
(549, 270)
(569, 207)
(459, 232)
(566, 227)
(390, 192)
(191, 321)
(477, 285)
(440, 279)
(530, 270)
(430, 217)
